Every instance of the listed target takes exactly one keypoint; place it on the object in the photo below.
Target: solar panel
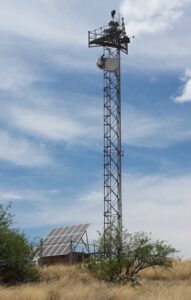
(58, 240)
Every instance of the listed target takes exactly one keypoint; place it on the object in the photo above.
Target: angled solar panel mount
(63, 240)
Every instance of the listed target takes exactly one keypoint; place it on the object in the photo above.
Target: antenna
(113, 40)
(113, 12)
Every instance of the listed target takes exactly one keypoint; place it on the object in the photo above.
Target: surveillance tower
(113, 39)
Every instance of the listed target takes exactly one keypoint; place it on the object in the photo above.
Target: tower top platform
(113, 35)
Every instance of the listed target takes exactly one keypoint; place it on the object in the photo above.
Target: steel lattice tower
(113, 39)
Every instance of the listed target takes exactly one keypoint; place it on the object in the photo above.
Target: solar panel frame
(58, 240)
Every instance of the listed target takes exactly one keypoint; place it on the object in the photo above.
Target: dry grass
(70, 283)
(180, 271)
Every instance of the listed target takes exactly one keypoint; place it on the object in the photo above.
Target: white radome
(107, 64)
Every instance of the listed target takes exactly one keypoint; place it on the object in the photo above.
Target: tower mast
(113, 40)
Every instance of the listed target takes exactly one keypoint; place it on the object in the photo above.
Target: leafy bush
(16, 253)
(120, 261)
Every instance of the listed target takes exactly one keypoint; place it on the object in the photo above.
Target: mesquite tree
(138, 252)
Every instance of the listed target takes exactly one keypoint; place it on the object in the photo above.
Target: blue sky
(51, 119)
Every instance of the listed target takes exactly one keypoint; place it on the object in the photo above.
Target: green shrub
(16, 253)
(121, 259)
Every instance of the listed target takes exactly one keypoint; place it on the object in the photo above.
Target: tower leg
(112, 146)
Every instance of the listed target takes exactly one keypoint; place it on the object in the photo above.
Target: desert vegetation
(135, 268)
(71, 282)
(123, 256)
(16, 252)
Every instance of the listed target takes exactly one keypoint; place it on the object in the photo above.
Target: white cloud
(152, 16)
(48, 125)
(15, 75)
(162, 38)
(186, 94)
(20, 64)
(18, 194)
(159, 204)
(186, 90)
(39, 32)
(56, 119)
(9, 196)
(53, 211)
(140, 129)
(151, 131)
(21, 152)
(56, 32)
(81, 124)
(43, 21)
(67, 22)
